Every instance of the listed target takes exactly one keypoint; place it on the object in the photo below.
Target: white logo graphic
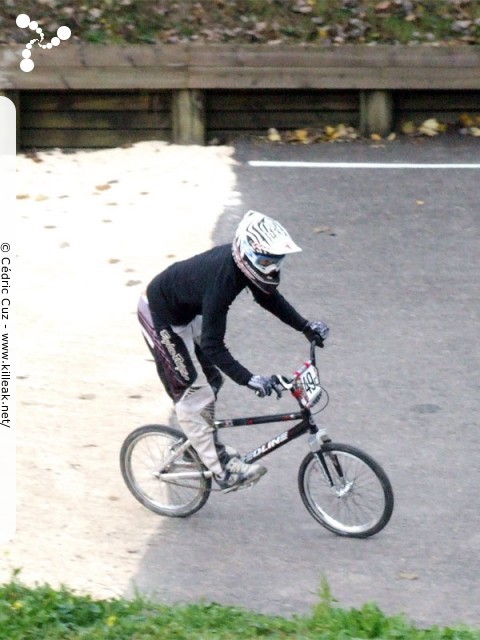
(23, 21)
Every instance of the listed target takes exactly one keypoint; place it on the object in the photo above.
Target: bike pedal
(230, 489)
(250, 485)
(240, 487)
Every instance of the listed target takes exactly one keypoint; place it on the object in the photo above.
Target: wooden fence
(101, 96)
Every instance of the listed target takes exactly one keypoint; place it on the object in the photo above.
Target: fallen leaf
(273, 135)
(408, 128)
(420, 202)
(22, 196)
(41, 198)
(103, 187)
(376, 137)
(467, 120)
(431, 127)
(33, 156)
(303, 6)
(321, 229)
(299, 135)
(404, 575)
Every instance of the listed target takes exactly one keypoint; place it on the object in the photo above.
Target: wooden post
(376, 112)
(188, 116)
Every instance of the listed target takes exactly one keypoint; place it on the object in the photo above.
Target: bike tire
(143, 453)
(359, 505)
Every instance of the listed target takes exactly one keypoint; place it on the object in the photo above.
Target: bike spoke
(151, 453)
(360, 500)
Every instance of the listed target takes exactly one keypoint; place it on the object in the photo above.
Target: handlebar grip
(277, 386)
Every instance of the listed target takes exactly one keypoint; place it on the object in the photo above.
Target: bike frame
(307, 424)
(318, 436)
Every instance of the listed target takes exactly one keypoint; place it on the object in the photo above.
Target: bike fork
(315, 442)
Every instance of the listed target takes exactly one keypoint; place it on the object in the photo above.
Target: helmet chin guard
(258, 248)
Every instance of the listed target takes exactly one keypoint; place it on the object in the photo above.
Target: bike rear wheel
(360, 502)
(152, 470)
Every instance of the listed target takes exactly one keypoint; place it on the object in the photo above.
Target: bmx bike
(341, 486)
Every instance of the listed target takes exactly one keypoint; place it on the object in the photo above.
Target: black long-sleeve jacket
(206, 285)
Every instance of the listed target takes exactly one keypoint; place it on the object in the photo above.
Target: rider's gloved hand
(261, 385)
(316, 331)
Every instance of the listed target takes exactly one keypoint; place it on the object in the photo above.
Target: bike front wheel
(346, 490)
(161, 473)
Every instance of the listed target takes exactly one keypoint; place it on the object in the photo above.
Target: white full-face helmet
(259, 247)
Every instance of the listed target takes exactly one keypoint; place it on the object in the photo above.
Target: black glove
(261, 385)
(316, 331)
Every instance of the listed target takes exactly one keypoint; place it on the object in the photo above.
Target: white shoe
(238, 473)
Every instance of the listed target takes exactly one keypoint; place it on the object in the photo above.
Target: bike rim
(148, 455)
(355, 504)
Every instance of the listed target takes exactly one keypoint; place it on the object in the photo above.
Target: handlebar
(284, 383)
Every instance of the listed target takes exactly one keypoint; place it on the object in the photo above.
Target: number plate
(309, 381)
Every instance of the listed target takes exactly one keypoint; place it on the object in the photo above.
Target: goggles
(265, 263)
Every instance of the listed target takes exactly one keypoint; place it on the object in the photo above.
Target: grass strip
(44, 613)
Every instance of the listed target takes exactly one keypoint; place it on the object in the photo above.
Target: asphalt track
(390, 261)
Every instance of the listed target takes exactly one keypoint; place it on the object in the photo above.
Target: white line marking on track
(359, 165)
